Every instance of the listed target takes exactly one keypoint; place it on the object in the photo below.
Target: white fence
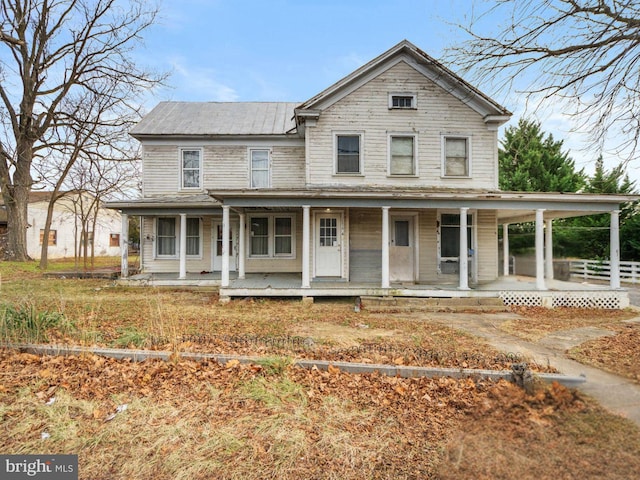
(600, 270)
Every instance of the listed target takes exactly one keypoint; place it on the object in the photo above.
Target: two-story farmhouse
(370, 187)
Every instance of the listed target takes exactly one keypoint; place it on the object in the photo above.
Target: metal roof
(217, 118)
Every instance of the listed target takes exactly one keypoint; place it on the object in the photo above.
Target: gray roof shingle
(217, 118)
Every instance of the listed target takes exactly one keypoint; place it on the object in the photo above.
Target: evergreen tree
(529, 161)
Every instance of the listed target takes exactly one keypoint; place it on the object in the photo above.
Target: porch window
(272, 236)
(259, 236)
(450, 241)
(348, 158)
(166, 237)
(402, 155)
(259, 168)
(193, 237)
(456, 161)
(191, 168)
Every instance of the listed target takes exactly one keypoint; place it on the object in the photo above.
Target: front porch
(512, 290)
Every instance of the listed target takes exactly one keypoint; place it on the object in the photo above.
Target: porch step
(408, 304)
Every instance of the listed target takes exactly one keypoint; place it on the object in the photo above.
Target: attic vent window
(402, 101)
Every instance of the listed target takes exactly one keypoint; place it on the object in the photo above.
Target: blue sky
(284, 50)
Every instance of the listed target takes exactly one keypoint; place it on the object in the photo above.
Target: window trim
(53, 237)
(271, 236)
(414, 136)
(348, 133)
(443, 148)
(268, 169)
(200, 151)
(412, 95)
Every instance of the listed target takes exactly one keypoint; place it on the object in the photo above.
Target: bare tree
(52, 53)
(583, 52)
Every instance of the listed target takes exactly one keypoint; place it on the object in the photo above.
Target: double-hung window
(193, 237)
(166, 237)
(402, 155)
(272, 236)
(348, 153)
(191, 168)
(456, 156)
(259, 166)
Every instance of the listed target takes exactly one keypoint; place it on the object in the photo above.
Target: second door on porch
(402, 249)
(328, 245)
(217, 246)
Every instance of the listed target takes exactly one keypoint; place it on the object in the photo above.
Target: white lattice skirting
(605, 300)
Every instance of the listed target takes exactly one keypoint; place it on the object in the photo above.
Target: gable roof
(405, 51)
(217, 118)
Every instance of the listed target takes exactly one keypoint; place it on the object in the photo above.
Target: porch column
(548, 250)
(241, 244)
(124, 246)
(306, 247)
(614, 274)
(224, 282)
(505, 249)
(183, 246)
(385, 247)
(463, 259)
(540, 283)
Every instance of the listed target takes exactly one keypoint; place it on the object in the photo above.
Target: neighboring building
(65, 236)
(368, 188)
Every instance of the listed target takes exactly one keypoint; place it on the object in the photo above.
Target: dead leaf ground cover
(190, 420)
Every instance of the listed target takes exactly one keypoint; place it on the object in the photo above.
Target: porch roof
(168, 205)
(511, 206)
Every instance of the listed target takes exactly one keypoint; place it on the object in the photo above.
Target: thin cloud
(199, 84)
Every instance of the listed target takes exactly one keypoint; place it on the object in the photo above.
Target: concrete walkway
(619, 395)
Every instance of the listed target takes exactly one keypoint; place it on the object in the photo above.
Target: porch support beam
(614, 241)
(385, 248)
(548, 249)
(306, 247)
(241, 244)
(183, 246)
(124, 246)
(224, 282)
(540, 283)
(464, 251)
(505, 249)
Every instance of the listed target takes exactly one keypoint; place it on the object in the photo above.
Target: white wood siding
(366, 110)
(224, 167)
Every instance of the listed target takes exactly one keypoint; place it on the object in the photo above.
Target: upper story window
(402, 155)
(348, 154)
(456, 156)
(191, 163)
(402, 101)
(259, 166)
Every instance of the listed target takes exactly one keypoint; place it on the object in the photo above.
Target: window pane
(191, 158)
(402, 233)
(193, 236)
(259, 179)
(166, 227)
(402, 156)
(166, 236)
(348, 154)
(283, 226)
(450, 241)
(259, 246)
(191, 178)
(456, 163)
(260, 158)
(283, 245)
(193, 227)
(259, 226)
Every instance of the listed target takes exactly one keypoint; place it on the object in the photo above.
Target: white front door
(216, 237)
(328, 251)
(402, 250)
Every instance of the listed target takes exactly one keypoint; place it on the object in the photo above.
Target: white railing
(601, 269)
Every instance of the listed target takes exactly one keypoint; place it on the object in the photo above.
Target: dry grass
(535, 323)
